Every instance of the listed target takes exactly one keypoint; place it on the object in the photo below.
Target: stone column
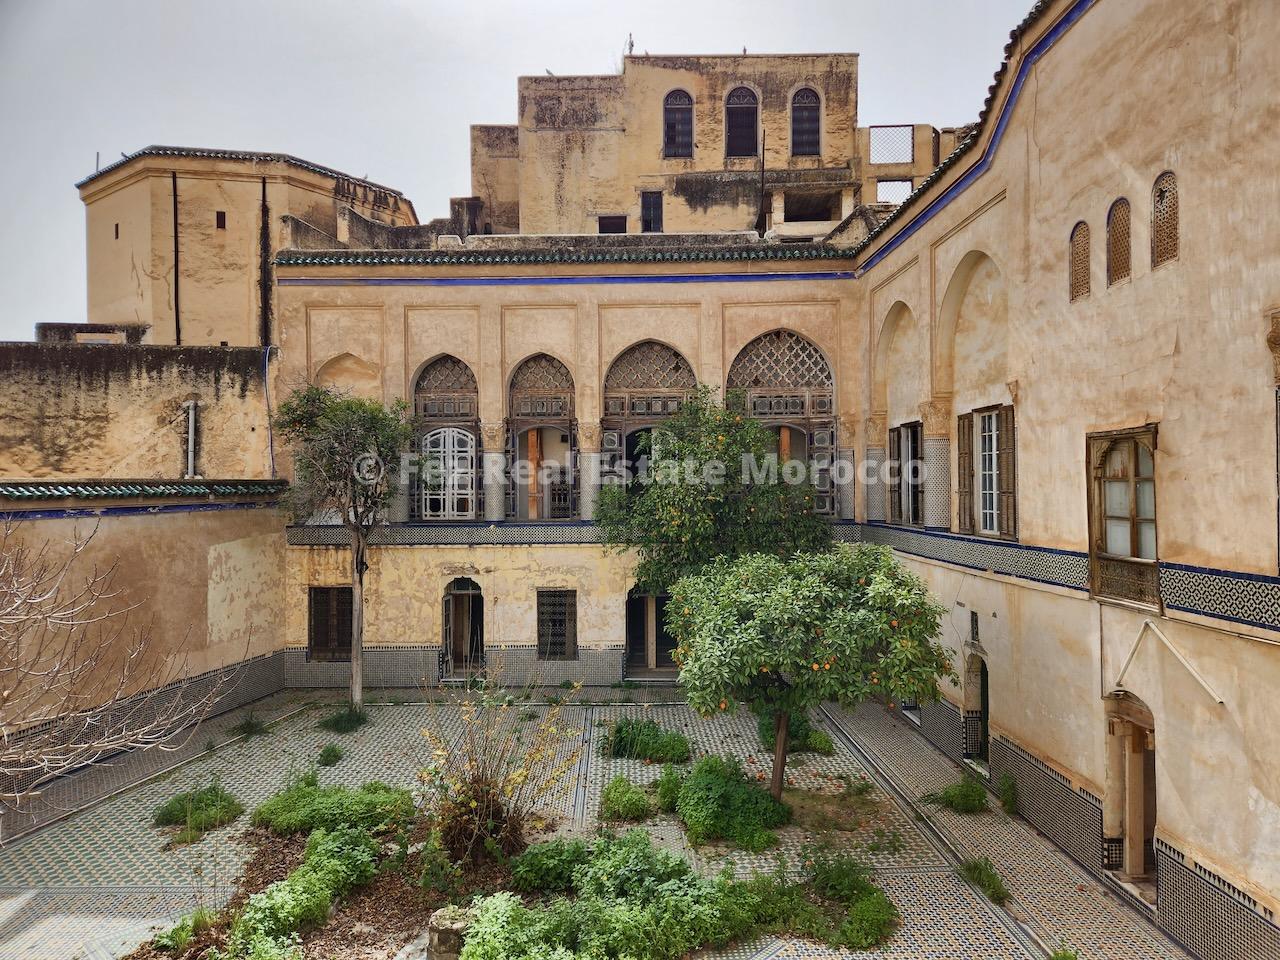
(844, 472)
(398, 508)
(877, 490)
(936, 417)
(588, 469)
(493, 463)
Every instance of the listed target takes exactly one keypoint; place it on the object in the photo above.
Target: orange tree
(789, 633)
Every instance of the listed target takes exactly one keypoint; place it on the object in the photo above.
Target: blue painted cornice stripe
(162, 508)
(560, 281)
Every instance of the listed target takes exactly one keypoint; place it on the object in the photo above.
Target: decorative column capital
(846, 431)
(588, 437)
(936, 417)
(492, 435)
(1273, 344)
(876, 426)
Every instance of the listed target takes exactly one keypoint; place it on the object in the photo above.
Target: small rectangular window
(220, 219)
(892, 144)
(613, 224)
(117, 231)
(329, 626)
(557, 625)
(892, 191)
(651, 211)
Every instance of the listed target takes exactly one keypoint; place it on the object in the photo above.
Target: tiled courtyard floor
(94, 884)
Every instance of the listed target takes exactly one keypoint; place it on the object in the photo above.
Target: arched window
(647, 383)
(806, 111)
(1164, 220)
(1118, 260)
(787, 383)
(1079, 268)
(543, 439)
(677, 125)
(741, 111)
(445, 410)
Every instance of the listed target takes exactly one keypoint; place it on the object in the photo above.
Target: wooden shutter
(964, 473)
(1007, 466)
(895, 475)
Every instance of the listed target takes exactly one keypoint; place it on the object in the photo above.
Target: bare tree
(79, 679)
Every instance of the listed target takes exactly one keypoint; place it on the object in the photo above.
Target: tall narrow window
(988, 469)
(906, 481)
(220, 219)
(1122, 507)
(987, 472)
(329, 623)
(741, 112)
(1079, 268)
(806, 109)
(1118, 260)
(557, 625)
(677, 125)
(1164, 220)
(651, 211)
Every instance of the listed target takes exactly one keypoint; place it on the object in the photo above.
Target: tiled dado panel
(594, 666)
(384, 666)
(1049, 803)
(1209, 915)
(943, 726)
(473, 533)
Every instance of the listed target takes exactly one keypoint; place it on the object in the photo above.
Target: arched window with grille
(786, 382)
(1118, 256)
(677, 124)
(647, 383)
(806, 114)
(1079, 266)
(445, 410)
(542, 441)
(1164, 219)
(741, 119)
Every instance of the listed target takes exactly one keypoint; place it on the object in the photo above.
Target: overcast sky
(387, 88)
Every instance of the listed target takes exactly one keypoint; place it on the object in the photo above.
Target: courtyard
(100, 880)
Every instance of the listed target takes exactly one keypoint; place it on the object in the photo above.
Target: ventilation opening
(220, 219)
(612, 224)
(811, 206)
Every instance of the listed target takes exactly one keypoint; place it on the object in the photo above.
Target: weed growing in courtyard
(197, 812)
(1007, 791)
(179, 937)
(717, 803)
(982, 874)
(250, 726)
(668, 785)
(330, 754)
(347, 720)
(304, 805)
(883, 841)
(645, 740)
(439, 873)
(967, 796)
(802, 735)
(548, 867)
(1062, 953)
(623, 800)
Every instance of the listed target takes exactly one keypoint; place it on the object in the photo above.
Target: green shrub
(330, 754)
(982, 874)
(645, 740)
(802, 735)
(870, 922)
(439, 873)
(837, 876)
(717, 803)
(250, 726)
(304, 806)
(627, 866)
(335, 861)
(1007, 790)
(1062, 953)
(967, 796)
(185, 930)
(668, 785)
(623, 800)
(346, 720)
(549, 866)
(197, 811)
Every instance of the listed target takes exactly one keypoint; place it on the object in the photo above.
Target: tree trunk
(781, 725)
(357, 618)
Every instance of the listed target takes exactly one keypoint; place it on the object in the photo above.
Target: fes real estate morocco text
(1036, 357)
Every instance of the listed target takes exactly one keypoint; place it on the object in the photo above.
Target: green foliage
(870, 922)
(179, 937)
(623, 800)
(347, 720)
(330, 754)
(675, 522)
(886, 841)
(197, 811)
(335, 862)
(1007, 791)
(717, 802)
(439, 872)
(627, 867)
(837, 876)
(548, 867)
(669, 784)
(304, 805)
(802, 735)
(982, 874)
(967, 796)
(645, 740)
(250, 726)
(1062, 953)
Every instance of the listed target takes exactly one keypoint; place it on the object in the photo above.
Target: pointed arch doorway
(463, 622)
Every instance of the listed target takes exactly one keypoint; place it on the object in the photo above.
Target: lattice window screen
(542, 373)
(650, 365)
(1079, 268)
(806, 111)
(1164, 220)
(1118, 259)
(779, 359)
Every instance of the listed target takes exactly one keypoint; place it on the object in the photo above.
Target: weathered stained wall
(495, 174)
(100, 411)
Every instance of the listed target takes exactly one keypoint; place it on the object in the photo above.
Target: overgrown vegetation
(668, 786)
(548, 867)
(716, 802)
(645, 740)
(623, 800)
(179, 937)
(967, 796)
(197, 812)
(347, 720)
(802, 735)
(330, 754)
(1064, 954)
(250, 726)
(982, 874)
(1007, 791)
(304, 806)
